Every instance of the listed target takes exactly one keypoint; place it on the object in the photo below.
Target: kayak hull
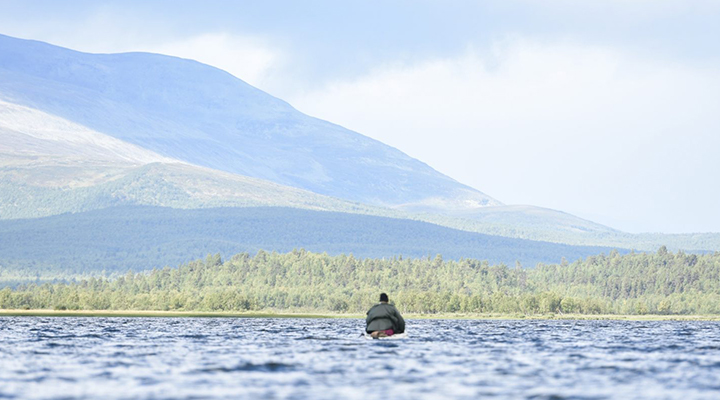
(397, 336)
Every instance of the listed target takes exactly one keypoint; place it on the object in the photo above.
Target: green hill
(139, 238)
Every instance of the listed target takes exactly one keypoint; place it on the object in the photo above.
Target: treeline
(636, 283)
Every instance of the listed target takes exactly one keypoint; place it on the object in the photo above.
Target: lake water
(184, 358)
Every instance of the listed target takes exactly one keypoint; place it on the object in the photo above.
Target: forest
(137, 238)
(636, 283)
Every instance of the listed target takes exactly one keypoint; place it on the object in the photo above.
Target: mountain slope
(537, 223)
(29, 133)
(49, 166)
(201, 115)
(139, 238)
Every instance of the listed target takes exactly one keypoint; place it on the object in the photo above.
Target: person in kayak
(384, 319)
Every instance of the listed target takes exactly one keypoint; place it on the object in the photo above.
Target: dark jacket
(384, 316)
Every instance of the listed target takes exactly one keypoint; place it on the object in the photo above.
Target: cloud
(590, 130)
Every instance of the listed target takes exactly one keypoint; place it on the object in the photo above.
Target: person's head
(383, 298)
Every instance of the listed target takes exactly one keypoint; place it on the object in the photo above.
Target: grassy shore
(283, 314)
(173, 314)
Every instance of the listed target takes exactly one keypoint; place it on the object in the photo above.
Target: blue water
(184, 358)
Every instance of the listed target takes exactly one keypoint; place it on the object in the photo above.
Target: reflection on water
(123, 358)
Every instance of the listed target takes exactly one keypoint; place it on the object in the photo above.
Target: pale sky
(609, 110)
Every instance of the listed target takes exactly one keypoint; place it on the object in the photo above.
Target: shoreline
(279, 314)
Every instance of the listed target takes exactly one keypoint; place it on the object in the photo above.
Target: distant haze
(608, 110)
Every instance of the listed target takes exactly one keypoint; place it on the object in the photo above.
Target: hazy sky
(609, 110)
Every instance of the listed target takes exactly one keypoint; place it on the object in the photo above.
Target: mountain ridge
(186, 110)
(46, 169)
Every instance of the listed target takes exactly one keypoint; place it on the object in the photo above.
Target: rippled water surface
(119, 358)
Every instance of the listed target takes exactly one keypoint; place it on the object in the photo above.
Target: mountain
(82, 132)
(204, 116)
(50, 165)
(144, 237)
(102, 187)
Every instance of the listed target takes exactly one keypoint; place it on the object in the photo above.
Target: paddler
(384, 319)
